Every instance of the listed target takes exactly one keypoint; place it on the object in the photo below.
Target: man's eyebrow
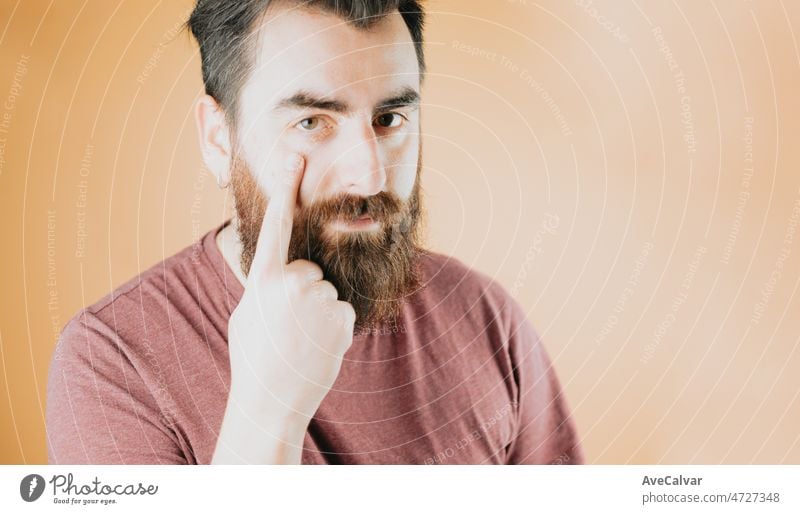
(405, 97)
(307, 100)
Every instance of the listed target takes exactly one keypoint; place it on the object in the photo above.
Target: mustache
(384, 206)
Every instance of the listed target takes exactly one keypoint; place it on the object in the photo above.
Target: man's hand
(286, 338)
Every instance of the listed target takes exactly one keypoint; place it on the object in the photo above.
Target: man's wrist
(266, 409)
(260, 434)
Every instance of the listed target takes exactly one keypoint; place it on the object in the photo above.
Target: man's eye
(389, 120)
(309, 124)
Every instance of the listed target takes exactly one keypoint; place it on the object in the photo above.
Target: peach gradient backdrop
(627, 169)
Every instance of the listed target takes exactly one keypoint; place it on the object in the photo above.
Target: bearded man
(313, 327)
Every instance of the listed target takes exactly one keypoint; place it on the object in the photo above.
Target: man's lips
(364, 222)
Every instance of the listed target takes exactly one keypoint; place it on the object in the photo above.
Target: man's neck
(231, 248)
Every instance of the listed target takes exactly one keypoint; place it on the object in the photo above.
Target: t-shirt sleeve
(546, 432)
(99, 410)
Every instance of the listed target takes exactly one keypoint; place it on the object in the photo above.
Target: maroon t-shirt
(142, 376)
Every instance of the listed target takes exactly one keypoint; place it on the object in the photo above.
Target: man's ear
(215, 142)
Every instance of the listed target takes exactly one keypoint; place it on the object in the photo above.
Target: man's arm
(99, 410)
(287, 338)
(546, 430)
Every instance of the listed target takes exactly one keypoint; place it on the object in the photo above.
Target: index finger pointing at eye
(272, 249)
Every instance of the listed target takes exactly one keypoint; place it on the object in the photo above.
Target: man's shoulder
(449, 272)
(149, 299)
(149, 285)
(451, 280)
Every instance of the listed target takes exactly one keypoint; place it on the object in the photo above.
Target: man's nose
(360, 169)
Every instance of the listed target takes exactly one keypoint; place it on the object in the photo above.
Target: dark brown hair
(223, 30)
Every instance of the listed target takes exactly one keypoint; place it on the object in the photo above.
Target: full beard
(374, 271)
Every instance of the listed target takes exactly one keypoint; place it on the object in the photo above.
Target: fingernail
(293, 162)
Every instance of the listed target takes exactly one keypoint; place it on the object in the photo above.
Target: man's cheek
(266, 145)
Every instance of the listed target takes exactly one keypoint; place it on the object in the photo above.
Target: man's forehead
(299, 49)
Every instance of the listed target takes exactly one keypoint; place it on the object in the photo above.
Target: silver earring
(221, 184)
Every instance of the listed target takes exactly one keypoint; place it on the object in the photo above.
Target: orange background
(628, 170)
